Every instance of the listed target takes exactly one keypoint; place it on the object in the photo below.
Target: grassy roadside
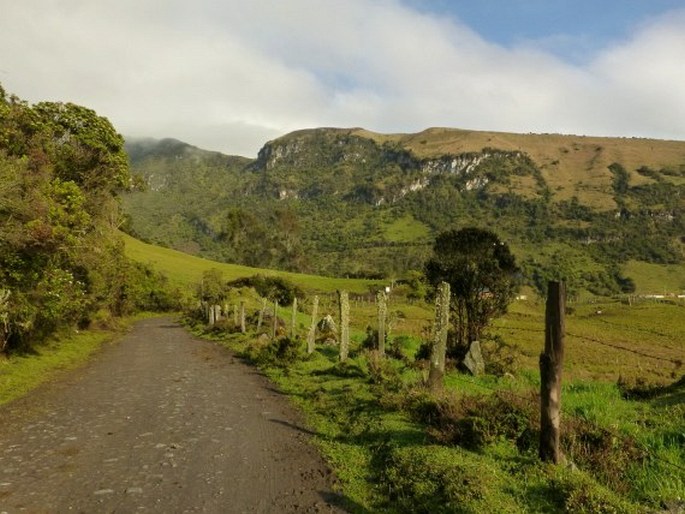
(397, 449)
(20, 374)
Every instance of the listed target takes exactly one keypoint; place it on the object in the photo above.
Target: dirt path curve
(159, 422)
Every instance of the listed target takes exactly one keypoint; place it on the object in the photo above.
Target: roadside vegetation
(473, 446)
(62, 262)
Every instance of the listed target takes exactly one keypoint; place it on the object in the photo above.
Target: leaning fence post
(242, 316)
(382, 303)
(551, 362)
(311, 336)
(436, 371)
(344, 310)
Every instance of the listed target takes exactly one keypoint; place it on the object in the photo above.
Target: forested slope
(349, 202)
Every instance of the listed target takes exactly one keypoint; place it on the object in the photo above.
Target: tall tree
(482, 274)
(61, 166)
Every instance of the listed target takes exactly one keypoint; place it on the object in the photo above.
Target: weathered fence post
(242, 316)
(275, 325)
(260, 319)
(293, 319)
(436, 371)
(211, 314)
(311, 336)
(551, 362)
(344, 309)
(217, 313)
(4, 318)
(382, 303)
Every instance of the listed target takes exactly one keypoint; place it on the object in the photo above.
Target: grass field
(605, 338)
(367, 419)
(186, 270)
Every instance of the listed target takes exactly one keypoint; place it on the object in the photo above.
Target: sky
(230, 75)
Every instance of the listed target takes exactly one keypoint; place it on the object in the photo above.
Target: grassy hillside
(571, 165)
(644, 339)
(186, 270)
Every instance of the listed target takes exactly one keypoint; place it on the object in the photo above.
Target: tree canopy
(482, 274)
(61, 259)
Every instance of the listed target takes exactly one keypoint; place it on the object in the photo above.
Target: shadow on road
(296, 427)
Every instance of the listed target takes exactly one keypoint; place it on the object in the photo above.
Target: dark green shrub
(500, 357)
(432, 479)
(280, 352)
(475, 421)
(606, 454)
(577, 493)
(274, 288)
(383, 371)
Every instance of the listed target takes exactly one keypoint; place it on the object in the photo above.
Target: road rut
(159, 422)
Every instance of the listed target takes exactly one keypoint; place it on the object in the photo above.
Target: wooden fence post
(344, 309)
(293, 319)
(551, 362)
(311, 336)
(382, 303)
(273, 333)
(260, 319)
(436, 371)
(242, 316)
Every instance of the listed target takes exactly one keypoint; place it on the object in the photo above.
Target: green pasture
(186, 270)
(656, 278)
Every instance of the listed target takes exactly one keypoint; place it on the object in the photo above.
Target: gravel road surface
(159, 422)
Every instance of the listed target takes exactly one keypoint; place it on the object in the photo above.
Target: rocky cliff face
(360, 168)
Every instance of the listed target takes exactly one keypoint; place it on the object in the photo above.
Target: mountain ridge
(341, 200)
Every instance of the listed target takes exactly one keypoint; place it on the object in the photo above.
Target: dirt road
(159, 422)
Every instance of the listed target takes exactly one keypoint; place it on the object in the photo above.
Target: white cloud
(229, 75)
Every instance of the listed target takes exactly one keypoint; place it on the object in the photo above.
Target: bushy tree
(482, 274)
(61, 259)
